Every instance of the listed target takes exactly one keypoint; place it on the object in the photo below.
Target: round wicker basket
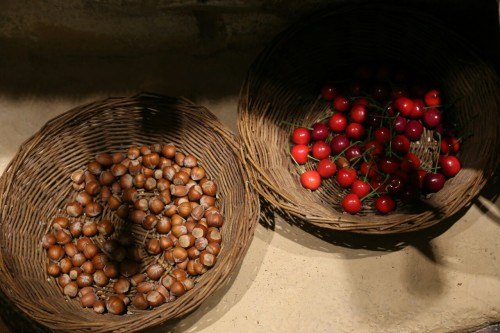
(282, 87)
(36, 186)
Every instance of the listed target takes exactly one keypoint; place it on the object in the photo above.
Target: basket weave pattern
(36, 186)
(282, 85)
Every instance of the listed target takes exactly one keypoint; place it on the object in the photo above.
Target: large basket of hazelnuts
(121, 214)
(370, 118)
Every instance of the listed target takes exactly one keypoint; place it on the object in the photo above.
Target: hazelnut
(115, 305)
(140, 302)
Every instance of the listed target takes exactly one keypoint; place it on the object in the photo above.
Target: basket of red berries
(370, 118)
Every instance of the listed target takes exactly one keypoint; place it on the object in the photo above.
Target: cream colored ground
(291, 280)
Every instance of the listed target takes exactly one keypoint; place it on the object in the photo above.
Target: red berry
(433, 182)
(355, 131)
(351, 203)
(399, 124)
(358, 113)
(301, 136)
(400, 144)
(380, 91)
(450, 165)
(385, 204)
(310, 179)
(368, 170)
(326, 168)
(337, 122)
(450, 145)
(389, 164)
(319, 132)
(395, 185)
(432, 97)
(418, 109)
(328, 92)
(341, 103)
(356, 89)
(414, 130)
(299, 153)
(382, 135)
(410, 194)
(409, 163)
(374, 148)
(346, 176)
(360, 188)
(362, 101)
(320, 150)
(353, 153)
(338, 143)
(432, 118)
(404, 105)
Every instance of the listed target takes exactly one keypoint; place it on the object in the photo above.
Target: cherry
(385, 204)
(341, 103)
(409, 163)
(432, 117)
(404, 105)
(374, 148)
(374, 120)
(389, 164)
(433, 97)
(355, 131)
(299, 153)
(433, 182)
(301, 136)
(320, 150)
(399, 124)
(378, 183)
(410, 194)
(356, 89)
(380, 91)
(360, 188)
(337, 122)
(414, 130)
(338, 143)
(368, 170)
(399, 91)
(310, 179)
(353, 153)
(395, 185)
(358, 113)
(418, 109)
(326, 168)
(319, 132)
(400, 144)
(450, 145)
(328, 92)
(346, 176)
(391, 111)
(450, 165)
(382, 135)
(351, 203)
(362, 101)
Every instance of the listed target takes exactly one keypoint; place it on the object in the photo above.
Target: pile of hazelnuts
(109, 266)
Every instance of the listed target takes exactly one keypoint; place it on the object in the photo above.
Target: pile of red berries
(366, 141)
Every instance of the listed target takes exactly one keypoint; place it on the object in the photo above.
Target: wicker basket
(282, 85)
(36, 186)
